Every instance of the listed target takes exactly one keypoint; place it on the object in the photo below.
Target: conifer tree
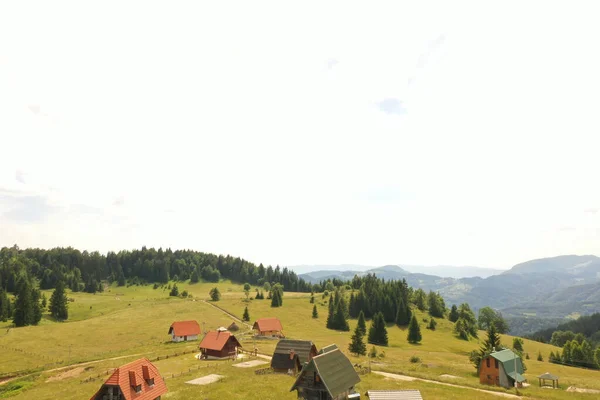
(362, 325)
(339, 318)
(4, 306)
(44, 301)
(414, 331)
(246, 316)
(490, 344)
(59, 306)
(453, 316)
(539, 357)
(357, 344)
(23, 314)
(378, 332)
(432, 324)
(315, 313)
(194, 278)
(330, 322)
(404, 313)
(214, 293)
(174, 291)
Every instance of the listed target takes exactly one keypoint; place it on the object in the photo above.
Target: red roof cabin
(219, 344)
(137, 380)
(182, 331)
(269, 327)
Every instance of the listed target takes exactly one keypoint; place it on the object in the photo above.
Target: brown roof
(127, 376)
(185, 328)
(267, 324)
(215, 340)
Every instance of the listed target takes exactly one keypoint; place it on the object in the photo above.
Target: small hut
(233, 327)
(548, 377)
(219, 344)
(182, 331)
(291, 355)
(501, 368)
(268, 327)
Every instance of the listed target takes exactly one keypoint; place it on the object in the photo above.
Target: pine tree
(432, 324)
(315, 313)
(403, 315)
(539, 357)
(59, 306)
(357, 345)
(246, 316)
(44, 301)
(339, 318)
(23, 314)
(414, 331)
(312, 299)
(378, 332)
(517, 344)
(214, 293)
(174, 291)
(362, 325)
(453, 316)
(194, 278)
(4, 306)
(492, 343)
(330, 322)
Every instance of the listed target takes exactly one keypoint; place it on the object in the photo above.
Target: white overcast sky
(303, 132)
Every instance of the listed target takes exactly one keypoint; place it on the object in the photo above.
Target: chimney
(292, 353)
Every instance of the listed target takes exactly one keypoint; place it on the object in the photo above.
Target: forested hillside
(83, 270)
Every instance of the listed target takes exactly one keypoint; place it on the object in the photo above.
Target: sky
(421, 133)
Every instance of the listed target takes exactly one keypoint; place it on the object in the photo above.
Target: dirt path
(412, 378)
(72, 366)
(227, 313)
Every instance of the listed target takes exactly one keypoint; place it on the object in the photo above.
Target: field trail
(412, 378)
(71, 366)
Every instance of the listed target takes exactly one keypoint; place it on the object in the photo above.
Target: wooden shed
(268, 327)
(498, 368)
(219, 345)
(328, 376)
(291, 355)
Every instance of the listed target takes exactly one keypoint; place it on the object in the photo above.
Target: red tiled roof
(215, 340)
(185, 328)
(268, 324)
(130, 375)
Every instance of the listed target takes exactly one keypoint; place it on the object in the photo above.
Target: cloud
(592, 210)
(332, 62)
(566, 228)
(34, 108)
(20, 176)
(26, 209)
(391, 106)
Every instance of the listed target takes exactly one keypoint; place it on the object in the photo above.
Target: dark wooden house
(137, 380)
(328, 376)
(498, 368)
(291, 355)
(219, 344)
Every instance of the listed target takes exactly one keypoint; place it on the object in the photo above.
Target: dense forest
(588, 326)
(84, 271)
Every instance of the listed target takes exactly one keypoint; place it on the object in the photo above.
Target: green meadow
(109, 329)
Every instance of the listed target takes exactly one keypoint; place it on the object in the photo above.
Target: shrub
(414, 359)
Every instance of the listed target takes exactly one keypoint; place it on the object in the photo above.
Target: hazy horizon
(297, 134)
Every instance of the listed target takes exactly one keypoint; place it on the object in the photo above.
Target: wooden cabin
(498, 368)
(139, 380)
(328, 376)
(219, 344)
(291, 355)
(268, 327)
(182, 331)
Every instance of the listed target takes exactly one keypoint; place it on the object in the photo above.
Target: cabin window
(138, 388)
(150, 381)
(487, 362)
(496, 363)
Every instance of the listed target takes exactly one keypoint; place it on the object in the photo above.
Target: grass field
(133, 322)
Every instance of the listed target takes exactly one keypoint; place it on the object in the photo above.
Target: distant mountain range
(555, 287)
(318, 271)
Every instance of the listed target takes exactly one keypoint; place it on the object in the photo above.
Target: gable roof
(301, 347)
(407, 394)
(548, 375)
(336, 372)
(233, 327)
(136, 373)
(185, 328)
(328, 348)
(507, 359)
(267, 324)
(216, 340)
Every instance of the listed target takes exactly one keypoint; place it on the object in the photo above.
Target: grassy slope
(113, 327)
